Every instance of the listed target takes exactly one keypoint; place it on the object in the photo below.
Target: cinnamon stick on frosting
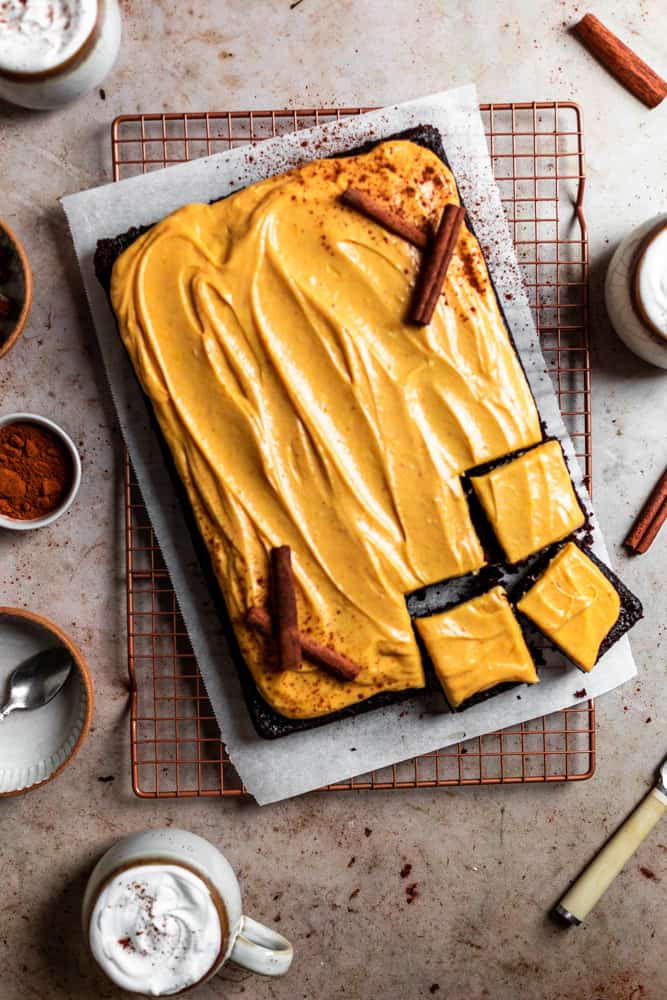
(283, 597)
(651, 518)
(335, 663)
(384, 216)
(431, 277)
(631, 71)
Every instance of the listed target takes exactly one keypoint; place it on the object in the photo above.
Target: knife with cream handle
(580, 899)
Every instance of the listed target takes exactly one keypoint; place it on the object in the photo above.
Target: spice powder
(35, 471)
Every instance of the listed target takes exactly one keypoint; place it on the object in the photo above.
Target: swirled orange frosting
(269, 332)
(573, 604)
(477, 645)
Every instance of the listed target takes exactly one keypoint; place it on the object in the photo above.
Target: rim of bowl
(27, 278)
(84, 673)
(15, 523)
(656, 333)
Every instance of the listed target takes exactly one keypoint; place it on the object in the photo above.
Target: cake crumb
(411, 892)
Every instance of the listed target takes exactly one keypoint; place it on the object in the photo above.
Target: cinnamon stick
(624, 64)
(433, 271)
(650, 519)
(384, 217)
(283, 597)
(335, 663)
(653, 529)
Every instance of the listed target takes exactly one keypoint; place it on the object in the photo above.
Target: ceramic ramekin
(23, 281)
(35, 747)
(15, 523)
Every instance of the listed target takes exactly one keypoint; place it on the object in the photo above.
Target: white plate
(35, 746)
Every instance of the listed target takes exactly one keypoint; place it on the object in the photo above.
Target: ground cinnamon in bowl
(36, 471)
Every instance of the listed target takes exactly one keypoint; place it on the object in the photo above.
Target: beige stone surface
(488, 862)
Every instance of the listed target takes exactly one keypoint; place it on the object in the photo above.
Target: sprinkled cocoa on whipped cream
(155, 929)
(38, 35)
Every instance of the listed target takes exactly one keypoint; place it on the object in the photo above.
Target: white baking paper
(278, 769)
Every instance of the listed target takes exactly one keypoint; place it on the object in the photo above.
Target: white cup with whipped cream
(54, 51)
(636, 291)
(162, 914)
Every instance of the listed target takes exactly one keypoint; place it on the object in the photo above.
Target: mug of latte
(162, 914)
(636, 291)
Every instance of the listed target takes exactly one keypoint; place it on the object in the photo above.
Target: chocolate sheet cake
(298, 407)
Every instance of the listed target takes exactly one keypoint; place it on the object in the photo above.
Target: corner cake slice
(578, 604)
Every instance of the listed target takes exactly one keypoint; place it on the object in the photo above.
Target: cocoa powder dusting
(35, 471)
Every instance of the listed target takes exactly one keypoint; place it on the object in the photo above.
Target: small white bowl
(17, 524)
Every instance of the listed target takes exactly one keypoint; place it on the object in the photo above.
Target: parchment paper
(278, 769)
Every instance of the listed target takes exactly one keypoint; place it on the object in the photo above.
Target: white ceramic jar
(636, 291)
(162, 913)
(54, 51)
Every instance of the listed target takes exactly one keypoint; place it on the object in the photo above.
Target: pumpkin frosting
(268, 330)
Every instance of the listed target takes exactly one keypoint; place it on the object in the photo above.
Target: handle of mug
(261, 949)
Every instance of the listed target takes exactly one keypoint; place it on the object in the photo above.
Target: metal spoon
(36, 681)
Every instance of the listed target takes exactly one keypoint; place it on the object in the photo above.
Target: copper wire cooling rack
(538, 160)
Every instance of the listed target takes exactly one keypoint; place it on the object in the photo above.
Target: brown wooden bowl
(39, 745)
(20, 284)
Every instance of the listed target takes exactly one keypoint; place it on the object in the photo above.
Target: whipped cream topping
(37, 35)
(155, 929)
(651, 281)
